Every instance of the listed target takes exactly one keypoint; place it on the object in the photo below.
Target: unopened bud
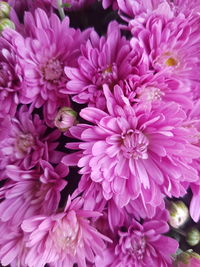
(4, 10)
(65, 118)
(193, 236)
(6, 23)
(178, 214)
(187, 259)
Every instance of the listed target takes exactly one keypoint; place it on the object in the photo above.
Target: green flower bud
(6, 23)
(187, 258)
(193, 236)
(178, 214)
(4, 10)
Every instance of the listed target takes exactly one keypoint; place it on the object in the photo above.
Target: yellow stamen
(171, 62)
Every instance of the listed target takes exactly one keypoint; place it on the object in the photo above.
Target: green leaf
(68, 5)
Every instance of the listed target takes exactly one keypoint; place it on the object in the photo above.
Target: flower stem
(60, 9)
(179, 231)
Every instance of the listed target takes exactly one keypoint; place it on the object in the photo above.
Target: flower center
(134, 144)
(171, 62)
(107, 74)
(53, 70)
(167, 60)
(138, 246)
(25, 142)
(65, 236)
(151, 94)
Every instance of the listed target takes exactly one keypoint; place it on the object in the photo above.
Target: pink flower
(171, 45)
(132, 152)
(25, 141)
(105, 60)
(29, 193)
(10, 79)
(64, 238)
(141, 244)
(152, 89)
(43, 57)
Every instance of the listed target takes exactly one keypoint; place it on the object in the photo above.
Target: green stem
(60, 9)
(179, 231)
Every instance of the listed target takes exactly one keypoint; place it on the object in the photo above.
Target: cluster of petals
(25, 141)
(139, 244)
(103, 60)
(64, 238)
(10, 79)
(122, 107)
(171, 45)
(31, 192)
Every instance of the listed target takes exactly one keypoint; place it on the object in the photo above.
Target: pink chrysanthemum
(141, 245)
(105, 60)
(152, 89)
(130, 152)
(25, 141)
(64, 238)
(10, 79)
(29, 193)
(43, 58)
(171, 44)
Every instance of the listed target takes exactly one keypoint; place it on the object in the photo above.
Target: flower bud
(4, 10)
(65, 118)
(6, 23)
(178, 214)
(193, 236)
(188, 259)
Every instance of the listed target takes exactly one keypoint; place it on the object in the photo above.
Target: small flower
(43, 58)
(65, 118)
(10, 78)
(66, 237)
(104, 60)
(25, 141)
(179, 214)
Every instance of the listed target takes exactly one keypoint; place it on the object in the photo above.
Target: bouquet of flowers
(100, 133)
